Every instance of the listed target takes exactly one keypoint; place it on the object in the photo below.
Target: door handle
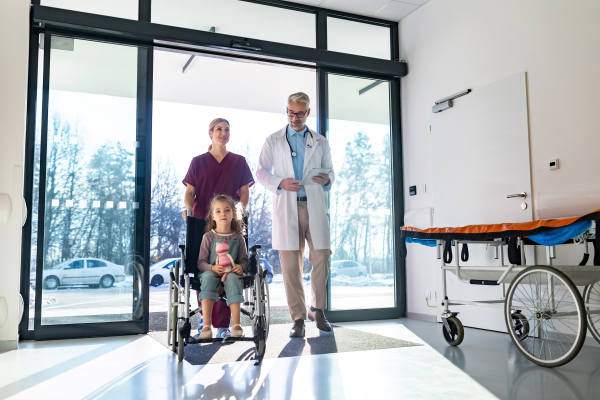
(523, 195)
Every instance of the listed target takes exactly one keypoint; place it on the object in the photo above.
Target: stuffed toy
(224, 259)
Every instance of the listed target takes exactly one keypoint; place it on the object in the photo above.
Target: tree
(167, 227)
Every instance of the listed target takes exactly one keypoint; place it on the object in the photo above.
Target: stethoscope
(294, 154)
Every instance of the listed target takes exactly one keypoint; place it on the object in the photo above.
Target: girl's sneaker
(237, 332)
(205, 334)
(223, 333)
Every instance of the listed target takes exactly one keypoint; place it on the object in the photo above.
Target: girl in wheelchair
(222, 224)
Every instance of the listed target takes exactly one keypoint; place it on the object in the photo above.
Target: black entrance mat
(279, 344)
(158, 320)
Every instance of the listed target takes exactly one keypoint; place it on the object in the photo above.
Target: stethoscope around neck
(294, 154)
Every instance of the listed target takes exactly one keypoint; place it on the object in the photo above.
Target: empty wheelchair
(184, 276)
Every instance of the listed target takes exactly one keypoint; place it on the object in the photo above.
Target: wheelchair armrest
(254, 248)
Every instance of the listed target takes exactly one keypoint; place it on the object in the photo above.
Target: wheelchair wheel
(553, 310)
(457, 332)
(591, 295)
(267, 306)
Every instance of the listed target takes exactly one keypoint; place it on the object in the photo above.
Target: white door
(480, 156)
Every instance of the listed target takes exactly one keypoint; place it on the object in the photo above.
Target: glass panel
(182, 113)
(358, 38)
(89, 223)
(362, 264)
(113, 8)
(238, 18)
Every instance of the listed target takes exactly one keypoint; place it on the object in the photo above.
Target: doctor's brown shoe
(298, 329)
(314, 314)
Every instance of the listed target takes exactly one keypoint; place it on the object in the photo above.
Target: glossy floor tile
(485, 366)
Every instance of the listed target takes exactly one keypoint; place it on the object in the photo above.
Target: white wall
(454, 45)
(14, 45)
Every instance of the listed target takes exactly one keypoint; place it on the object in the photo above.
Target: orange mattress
(495, 231)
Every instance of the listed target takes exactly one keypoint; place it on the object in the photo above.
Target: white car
(82, 271)
(347, 267)
(159, 272)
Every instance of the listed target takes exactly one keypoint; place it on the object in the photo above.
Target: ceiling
(392, 10)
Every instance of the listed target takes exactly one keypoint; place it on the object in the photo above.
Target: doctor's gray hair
(300, 98)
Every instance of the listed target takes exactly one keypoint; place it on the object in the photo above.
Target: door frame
(144, 33)
(143, 170)
(398, 196)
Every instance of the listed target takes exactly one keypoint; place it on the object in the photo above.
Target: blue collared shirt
(297, 141)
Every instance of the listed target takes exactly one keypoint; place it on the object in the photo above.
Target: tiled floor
(485, 366)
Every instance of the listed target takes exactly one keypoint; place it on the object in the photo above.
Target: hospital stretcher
(546, 315)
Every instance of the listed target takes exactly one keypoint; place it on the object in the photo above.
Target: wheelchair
(184, 276)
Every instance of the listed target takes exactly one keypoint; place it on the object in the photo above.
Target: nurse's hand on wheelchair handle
(184, 214)
(217, 269)
(290, 185)
(237, 268)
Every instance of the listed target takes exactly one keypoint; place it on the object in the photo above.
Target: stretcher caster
(521, 325)
(552, 308)
(453, 331)
(591, 295)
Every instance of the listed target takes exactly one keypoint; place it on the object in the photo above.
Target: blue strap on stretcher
(561, 235)
(424, 242)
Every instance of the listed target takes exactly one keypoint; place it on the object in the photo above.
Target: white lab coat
(274, 165)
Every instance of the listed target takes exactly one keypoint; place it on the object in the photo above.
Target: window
(96, 264)
(239, 18)
(113, 8)
(76, 264)
(358, 38)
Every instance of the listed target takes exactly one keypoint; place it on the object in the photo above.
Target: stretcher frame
(503, 274)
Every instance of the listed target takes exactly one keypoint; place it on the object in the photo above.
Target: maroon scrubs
(210, 178)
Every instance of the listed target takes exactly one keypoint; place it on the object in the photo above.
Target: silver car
(82, 271)
(348, 268)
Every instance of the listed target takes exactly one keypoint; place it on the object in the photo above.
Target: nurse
(299, 212)
(217, 171)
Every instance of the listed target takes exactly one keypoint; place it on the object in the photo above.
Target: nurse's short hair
(216, 122)
(300, 98)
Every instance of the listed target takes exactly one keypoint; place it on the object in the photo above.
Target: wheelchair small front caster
(455, 336)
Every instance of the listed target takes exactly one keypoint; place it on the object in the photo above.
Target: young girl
(222, 224)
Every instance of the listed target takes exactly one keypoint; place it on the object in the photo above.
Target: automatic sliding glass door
(363, 264)
(90, 259)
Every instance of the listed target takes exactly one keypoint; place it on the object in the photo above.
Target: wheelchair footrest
(193, 340)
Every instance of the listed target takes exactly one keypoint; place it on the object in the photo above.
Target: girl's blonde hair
(237, 223)
(214, 123)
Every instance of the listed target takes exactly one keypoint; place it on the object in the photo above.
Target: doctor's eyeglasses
(299, 114)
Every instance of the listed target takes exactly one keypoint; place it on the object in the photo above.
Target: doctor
(299, 212)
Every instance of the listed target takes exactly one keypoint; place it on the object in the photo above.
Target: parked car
(265, 264)
(347, 267)
(82, 271)
(159, 272)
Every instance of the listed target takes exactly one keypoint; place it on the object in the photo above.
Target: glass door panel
(362, 274)
(89, 259)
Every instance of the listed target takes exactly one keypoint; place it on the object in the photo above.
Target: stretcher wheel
(521, 325)
(457, 332)
(553, 310)
(591, 295)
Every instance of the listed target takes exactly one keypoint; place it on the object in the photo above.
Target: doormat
(279, 344)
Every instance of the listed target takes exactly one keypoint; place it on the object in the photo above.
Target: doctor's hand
(291, 185)
(322, 179)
